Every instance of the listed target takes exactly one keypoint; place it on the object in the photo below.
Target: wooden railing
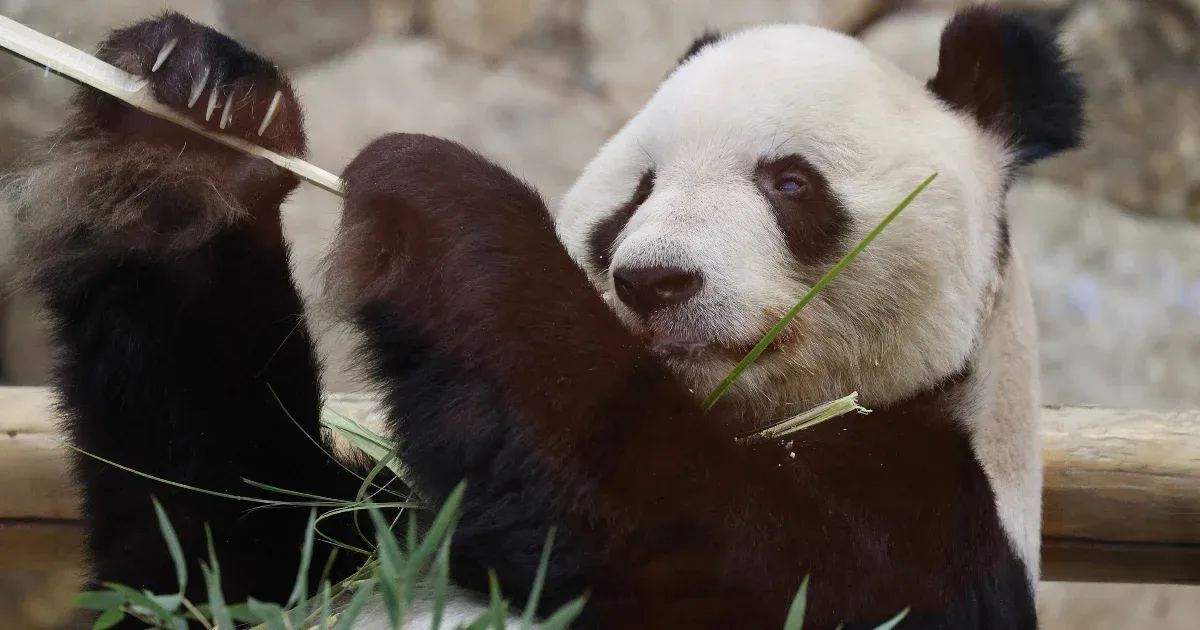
(1121, 501)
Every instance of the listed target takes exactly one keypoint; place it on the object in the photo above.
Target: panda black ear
(708, 38)
(1011, 75)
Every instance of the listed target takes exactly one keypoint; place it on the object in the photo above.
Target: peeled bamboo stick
(74, 64)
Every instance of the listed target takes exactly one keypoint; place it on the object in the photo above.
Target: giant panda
(557, 358)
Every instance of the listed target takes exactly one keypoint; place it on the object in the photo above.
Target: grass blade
(391, 567)
(766, 341)
(217, 608)
(108, 619)
(97, 600)
(795, 618)
(299, 596)
(270, 614)
(565, 616)
(168, 532)
(496, 606)
(326, 602)
(212, 579)
(445, 519)
(441, 580)
(176, 484)
(539, 581)
(895, 621)
(141, 600)
(347, 617)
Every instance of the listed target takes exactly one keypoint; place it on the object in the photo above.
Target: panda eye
(790, 185)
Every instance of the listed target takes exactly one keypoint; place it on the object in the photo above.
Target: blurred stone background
(1109, 234)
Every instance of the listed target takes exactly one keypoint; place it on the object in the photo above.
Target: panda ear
(1012, 77)
(708, 38)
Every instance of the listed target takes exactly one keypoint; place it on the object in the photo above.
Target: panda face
(761, 161)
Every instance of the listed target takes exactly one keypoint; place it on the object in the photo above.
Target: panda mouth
(668, 346)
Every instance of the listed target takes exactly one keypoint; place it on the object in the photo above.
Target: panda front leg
(183, 351)
(502, 366)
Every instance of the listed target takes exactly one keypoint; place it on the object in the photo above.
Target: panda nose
(648, 289)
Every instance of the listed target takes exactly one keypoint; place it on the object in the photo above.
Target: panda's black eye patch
(603, 238)
(813, 220)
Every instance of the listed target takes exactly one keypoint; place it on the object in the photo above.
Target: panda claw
(212, 103)
(164, 53)
(227, 115)
(272, 109)
(198, 89)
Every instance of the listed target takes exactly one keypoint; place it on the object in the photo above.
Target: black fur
(602, 239)
(183, 350)
(706, 39)
(1009, 72)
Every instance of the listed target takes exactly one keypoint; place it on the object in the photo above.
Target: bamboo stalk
(74, 64)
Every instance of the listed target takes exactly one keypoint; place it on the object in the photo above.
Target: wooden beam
(1121, 500)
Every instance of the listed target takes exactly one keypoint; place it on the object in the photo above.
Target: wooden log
(1122, 496)
(1121, 500)
(33, 464)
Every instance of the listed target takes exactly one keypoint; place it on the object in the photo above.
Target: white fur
(1007, 436)
(462, 608)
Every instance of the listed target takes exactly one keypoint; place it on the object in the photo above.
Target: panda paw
(115, 180)
(426, 213)
(208, 78)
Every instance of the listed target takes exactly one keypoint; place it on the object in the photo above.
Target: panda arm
(503, 366)
(182, 344)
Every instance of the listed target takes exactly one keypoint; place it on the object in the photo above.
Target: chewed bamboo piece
(70, 62)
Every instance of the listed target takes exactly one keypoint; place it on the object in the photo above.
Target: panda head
(767, 155)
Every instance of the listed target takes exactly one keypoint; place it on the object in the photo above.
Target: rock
(910, 39)
(1117, 299)
(395, 17)
(543, 135)
(1035, 5)
(543, 36)
(489, 27)
(634, 44)
(296, 33)
(1141, 61)
(31, 101)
